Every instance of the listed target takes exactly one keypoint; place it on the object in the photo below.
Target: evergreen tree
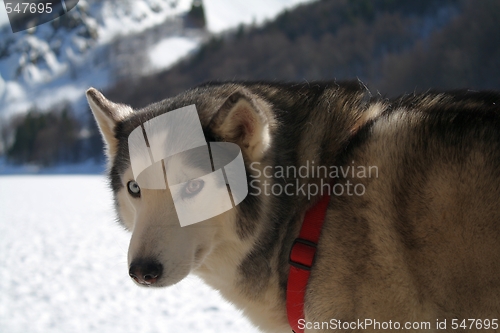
(46, 138)
(196, 15)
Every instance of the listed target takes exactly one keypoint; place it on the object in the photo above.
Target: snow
(63, 268)
(128, 16)
(168, 51)
(223, 15)
(83, 168)
(67, 62)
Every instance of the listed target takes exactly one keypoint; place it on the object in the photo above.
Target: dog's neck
(252, 271)
(222, 271)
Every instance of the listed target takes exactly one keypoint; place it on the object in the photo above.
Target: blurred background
(142, 51)
(62, 256)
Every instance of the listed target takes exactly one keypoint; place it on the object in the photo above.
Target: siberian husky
(411, 237)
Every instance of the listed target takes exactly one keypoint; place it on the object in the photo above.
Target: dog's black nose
(145, 271)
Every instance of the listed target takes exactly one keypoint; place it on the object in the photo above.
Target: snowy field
(63, 268)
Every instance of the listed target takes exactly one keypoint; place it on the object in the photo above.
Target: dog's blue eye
(193, 187)
(133, 188)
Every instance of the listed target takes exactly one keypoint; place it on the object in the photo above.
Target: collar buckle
(302, 254)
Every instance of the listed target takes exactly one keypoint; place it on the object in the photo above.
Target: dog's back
(423, 241)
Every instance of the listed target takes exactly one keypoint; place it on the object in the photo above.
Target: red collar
(302, 259)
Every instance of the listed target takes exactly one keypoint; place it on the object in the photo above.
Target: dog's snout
(145, 271)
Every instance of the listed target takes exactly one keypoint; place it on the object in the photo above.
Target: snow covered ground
(63, 268)
(84, 168)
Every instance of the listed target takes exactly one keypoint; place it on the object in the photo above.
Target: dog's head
(162, 252)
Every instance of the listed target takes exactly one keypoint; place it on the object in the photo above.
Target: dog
(411, 233)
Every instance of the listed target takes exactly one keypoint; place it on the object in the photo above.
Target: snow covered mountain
(59, 59)
(100, 41)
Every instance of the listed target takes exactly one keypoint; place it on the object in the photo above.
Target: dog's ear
(246, 121)
(107, 115)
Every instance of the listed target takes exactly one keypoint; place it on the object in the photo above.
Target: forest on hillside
(393, 46)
